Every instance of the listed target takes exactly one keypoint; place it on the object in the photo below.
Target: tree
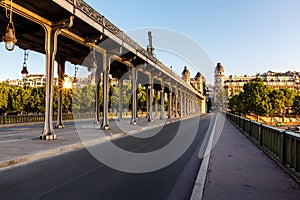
(257, 99)
(37, 100)
(289, 96)
(127, 96)
(113, 97)
(26, 98)
(76, 100)
(4, 91)
(84, 99)
(277, 102)
(142, 98)
(67, 100)
(237, 104)
(221, 98)
(296, 105)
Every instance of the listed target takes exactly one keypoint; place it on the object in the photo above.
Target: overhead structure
(68, 30)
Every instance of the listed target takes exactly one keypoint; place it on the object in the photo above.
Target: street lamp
(24, 71)
(10, 36)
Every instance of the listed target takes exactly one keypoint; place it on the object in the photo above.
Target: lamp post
(24, 71)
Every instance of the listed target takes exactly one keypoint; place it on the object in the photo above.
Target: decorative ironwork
(93, 14)
(88, 10)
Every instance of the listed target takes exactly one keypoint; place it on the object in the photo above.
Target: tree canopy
(258, 99)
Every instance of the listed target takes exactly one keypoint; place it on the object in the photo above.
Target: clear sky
(247, 37)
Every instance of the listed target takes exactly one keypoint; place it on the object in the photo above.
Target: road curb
(23, 160)
(198, 189)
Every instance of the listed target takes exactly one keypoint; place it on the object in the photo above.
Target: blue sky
(247, 37)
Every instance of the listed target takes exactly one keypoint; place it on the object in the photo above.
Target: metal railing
(282, 146)
(11, 119)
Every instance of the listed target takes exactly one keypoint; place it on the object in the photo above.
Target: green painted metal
(282, 146)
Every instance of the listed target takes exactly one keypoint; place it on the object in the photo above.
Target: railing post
(260, 135)
(283, 148)
(250, 129)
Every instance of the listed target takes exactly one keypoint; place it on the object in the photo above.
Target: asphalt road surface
(78, 175)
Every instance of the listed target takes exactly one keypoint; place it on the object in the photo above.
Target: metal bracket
(65, 23)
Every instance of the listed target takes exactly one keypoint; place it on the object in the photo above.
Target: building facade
(231, 85)
(199, 82)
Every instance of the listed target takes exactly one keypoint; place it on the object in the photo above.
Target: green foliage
(277, 101)
(257, 99)
(289, 96)
(4, 91)
(296, 105)
(37, 100)
(237, 104)
(15, 99)
(67, 100)
(142, 98)
(113, 97)
(127, 96)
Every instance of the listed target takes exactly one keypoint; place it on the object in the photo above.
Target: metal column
(170, 104)
(51, 34)
(134, 97)
(106, 69)
(156, 103)
(51, 48)
(150, 101)
(181, 104)
(162, 103)
(97, 100)
(176, 102)
(120, 99)
(60, 73)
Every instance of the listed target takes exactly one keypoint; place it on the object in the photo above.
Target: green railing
(11, 119)
(282, 146)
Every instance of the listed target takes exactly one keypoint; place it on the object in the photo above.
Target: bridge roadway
(78, 175)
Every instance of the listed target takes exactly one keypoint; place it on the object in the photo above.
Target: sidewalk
(240, 170)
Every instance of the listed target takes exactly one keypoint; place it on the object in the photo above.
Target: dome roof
(219, 67)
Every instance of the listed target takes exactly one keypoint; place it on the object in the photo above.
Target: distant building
(232, 85)
(199, 82)
(33, 80)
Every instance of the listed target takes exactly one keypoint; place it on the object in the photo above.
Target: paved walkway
(240, 170)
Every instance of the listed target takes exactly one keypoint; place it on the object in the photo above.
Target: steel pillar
(150, 99)
(51, 33)
(156, 103)
(162, 104)
(181, 103)
(176, 103)
(184, 104)
(134, 96)
(170, 105)
(97, 100)
(120, 99)
(51, 48)
(106, 69)
(60, 73)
